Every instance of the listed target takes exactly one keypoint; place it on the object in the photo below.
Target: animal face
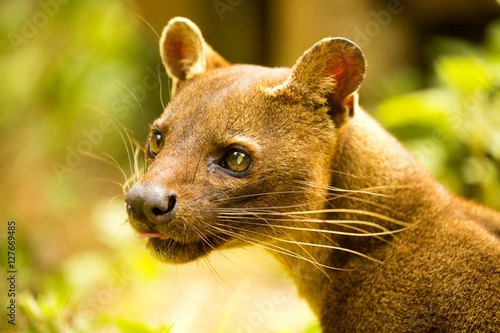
(240, 147)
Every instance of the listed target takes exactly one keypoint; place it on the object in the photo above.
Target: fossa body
(285, 159)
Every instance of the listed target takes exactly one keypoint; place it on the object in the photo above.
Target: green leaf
(465, 74)
(427, 108)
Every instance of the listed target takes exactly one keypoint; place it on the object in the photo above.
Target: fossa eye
(155, 144)
(237, 161)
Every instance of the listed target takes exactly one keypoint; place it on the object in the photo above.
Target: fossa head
(239, 147)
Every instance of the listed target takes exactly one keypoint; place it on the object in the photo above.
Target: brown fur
(321, 168)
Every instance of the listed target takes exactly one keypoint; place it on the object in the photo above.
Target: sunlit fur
(372, 241)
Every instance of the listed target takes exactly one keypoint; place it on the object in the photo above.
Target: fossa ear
(329, 73)
(185, 53)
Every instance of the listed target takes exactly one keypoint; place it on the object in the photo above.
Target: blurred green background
(73, 71)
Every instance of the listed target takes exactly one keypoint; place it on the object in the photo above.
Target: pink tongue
(152, 235)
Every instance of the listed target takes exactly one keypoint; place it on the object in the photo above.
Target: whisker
(113, 198)
(265, 194)
(125, 130)
(147, 23)
(137, 148)
(158, 70)
(354, 211)
(366, 190)
(126, 149)
(132, 148)
(277, 249)
(267, 221)
(309, 244)
(329, 197)
(104, 180)
(213, 271)
(206, 240)
(257, 253)
(293, 241)
(344, 223)
(370, 202)
(216, 274)
(196, 170)
(137, 151)
(135, 98)
(159, 60)
(364, 233)
(211, 195)
(97, 157)
(244, 248)
(120, 168)
(338, 210)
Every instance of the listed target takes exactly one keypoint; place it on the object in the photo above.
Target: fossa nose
(151, 203)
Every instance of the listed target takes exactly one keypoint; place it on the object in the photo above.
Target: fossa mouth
(169, 250)
(152, 235)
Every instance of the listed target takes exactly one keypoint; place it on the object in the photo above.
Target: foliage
(64, 62)
(92, 290)
(453, 127)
